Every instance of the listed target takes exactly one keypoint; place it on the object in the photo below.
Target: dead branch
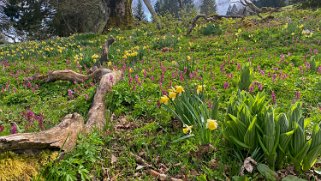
(105, 51)
(69, 75)
(246, 3)
(152, 171)
(211, 18)
(97, 112)
(63, 136)
(251, 5)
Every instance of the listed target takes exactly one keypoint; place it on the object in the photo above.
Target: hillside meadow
(191, 107)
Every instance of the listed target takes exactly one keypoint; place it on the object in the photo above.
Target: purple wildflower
(315, 51)
(297, 95)
(260, 86)
(70, 93)
(262, 72)
(251, 88)
(319, 70)
(273, 97)
(238, 66)
(181, 77)
(307, 65)
(222, 67)
(40, 119)
(137, 79)
(14, 128)
(28, 115)
(226, 85)
(145, 74)
(130, 80)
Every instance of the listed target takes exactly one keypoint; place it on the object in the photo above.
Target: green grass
(276, 47)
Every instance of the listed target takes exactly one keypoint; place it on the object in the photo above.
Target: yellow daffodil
(164, 99)
(172, 95)
(211, 124)
(179, 89)
(199, 89)
(187, 129)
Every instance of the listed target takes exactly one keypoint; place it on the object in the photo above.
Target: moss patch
(23, 167)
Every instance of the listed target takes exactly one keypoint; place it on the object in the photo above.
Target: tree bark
(97, 112)
(120, 13)
(98, 16)
(154, 14)
(63, 136)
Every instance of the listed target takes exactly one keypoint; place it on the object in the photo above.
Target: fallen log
(97, 112)
(69, 75)
(63, 136)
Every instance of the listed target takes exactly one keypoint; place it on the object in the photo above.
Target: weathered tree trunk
(120, 13)
(154, 14)
(82, 16)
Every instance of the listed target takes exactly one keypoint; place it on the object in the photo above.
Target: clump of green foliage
(211, 29)
(79, 163)
(188, 106)
(168, 41)
(251, 124)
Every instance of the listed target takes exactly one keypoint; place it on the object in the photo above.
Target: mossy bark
(120, 14)
(97, 16)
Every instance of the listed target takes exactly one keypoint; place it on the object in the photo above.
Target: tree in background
(39, 19)
(78, 16)
(188, 5)
(167, 6)
(139, 12)
(270, 3)
(207, 7)
(308, 3)
(29, 18)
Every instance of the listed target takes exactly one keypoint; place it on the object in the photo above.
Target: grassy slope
(140, 126)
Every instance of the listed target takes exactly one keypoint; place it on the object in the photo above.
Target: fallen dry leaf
(113, 159)
(139, 167)
(248, 165)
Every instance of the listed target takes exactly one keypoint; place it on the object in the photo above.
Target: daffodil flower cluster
(189, 108)
(131, 53)
(95, 57)
(172, 93)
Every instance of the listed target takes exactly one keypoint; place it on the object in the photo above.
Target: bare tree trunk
(81, 16)
(154, 14)
(120, 13)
